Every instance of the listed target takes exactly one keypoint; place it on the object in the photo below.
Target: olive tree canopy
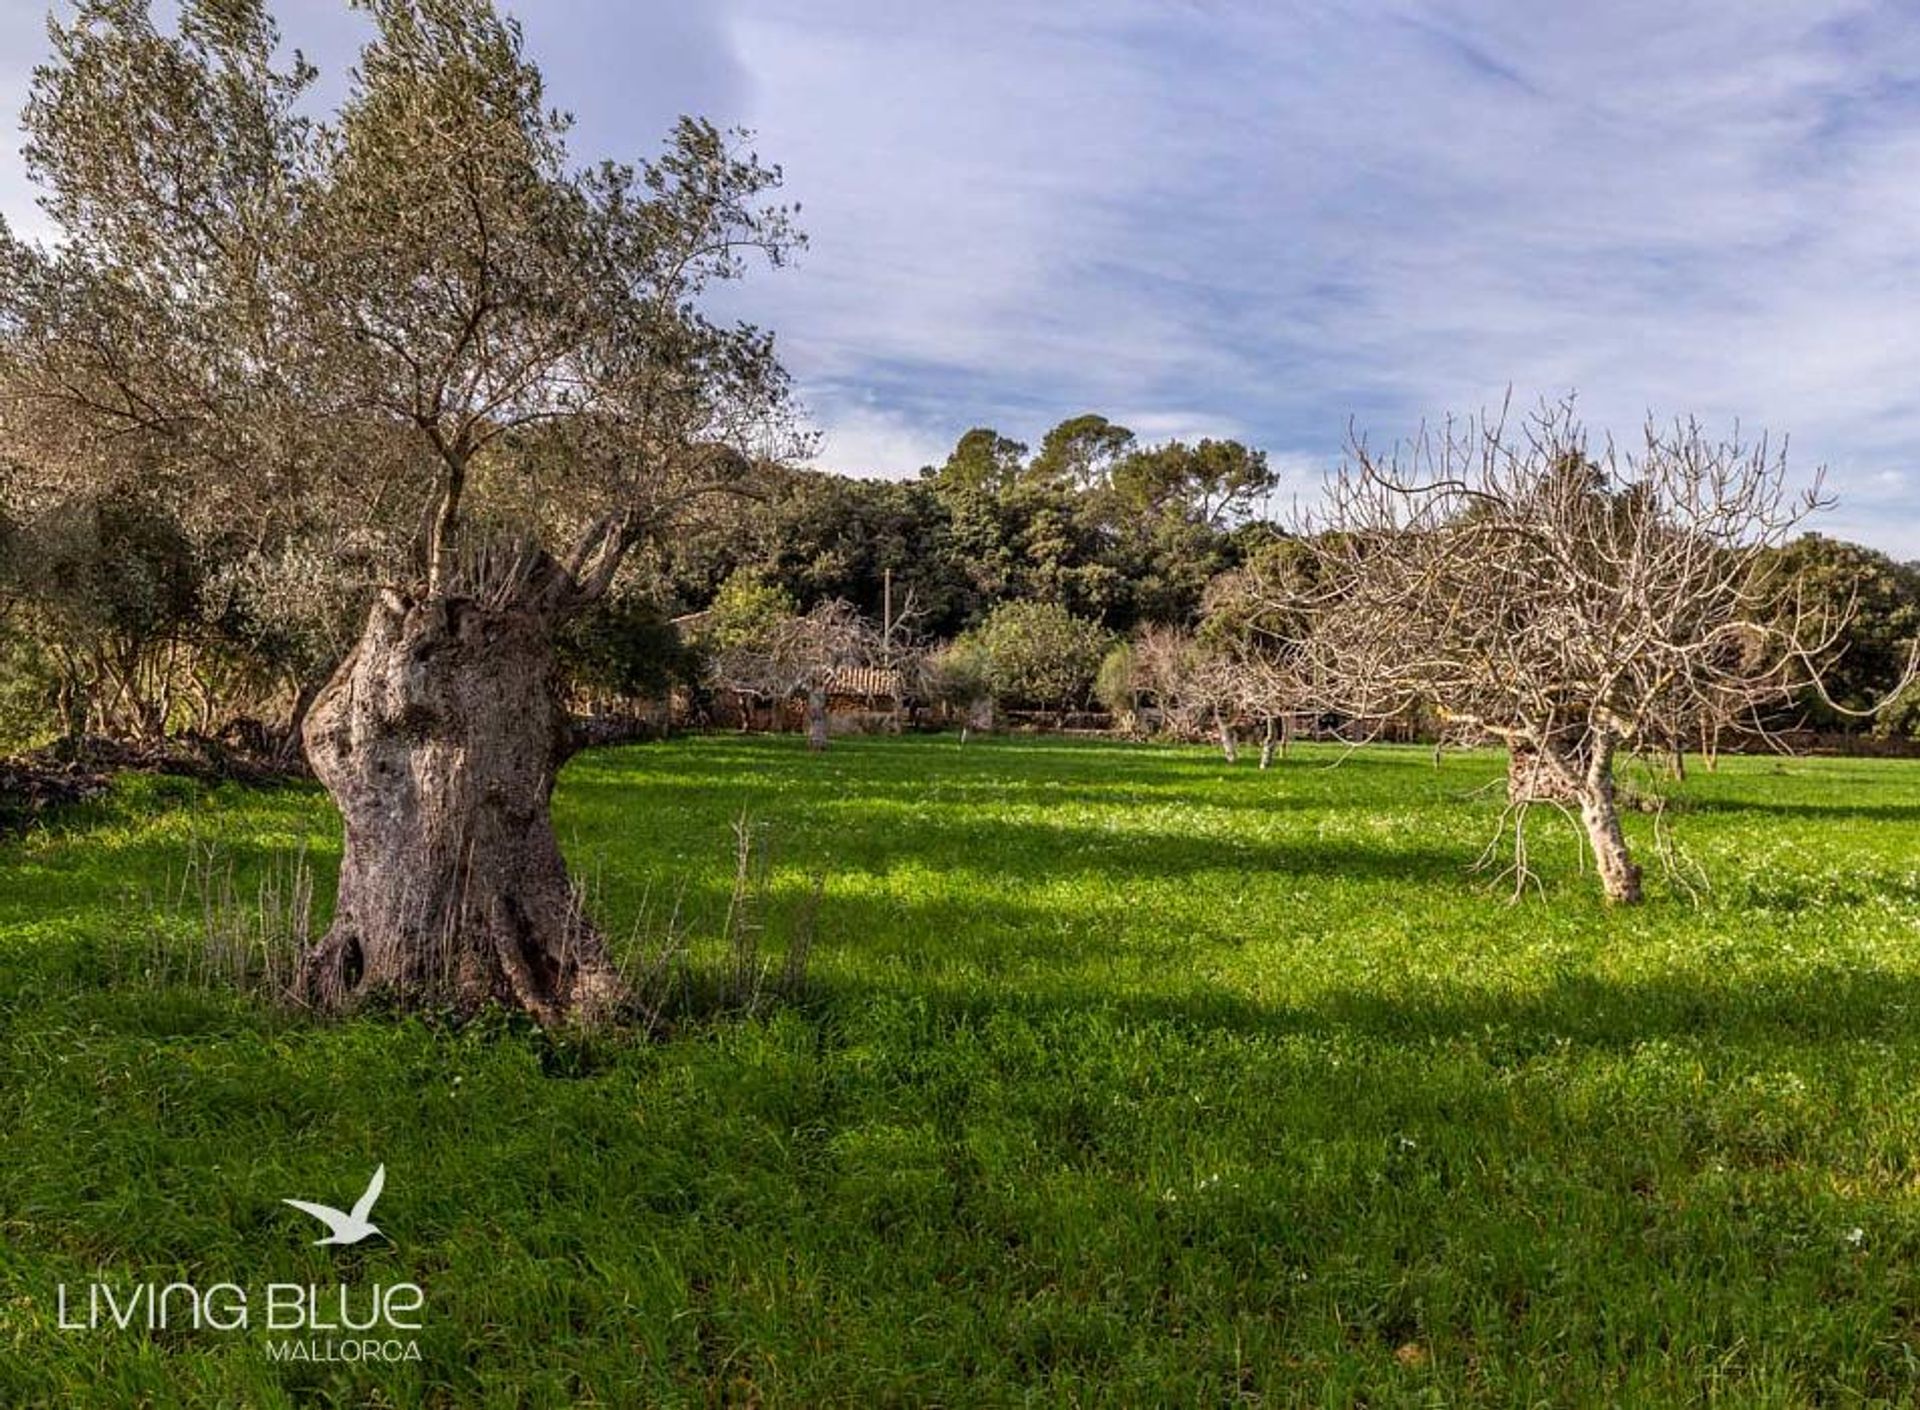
(417, 333)
(419, 312)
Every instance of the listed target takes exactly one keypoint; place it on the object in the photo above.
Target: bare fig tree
(1196, 688)
(1575, 603)
(1254, 626)
(417, 325)
(803, 655)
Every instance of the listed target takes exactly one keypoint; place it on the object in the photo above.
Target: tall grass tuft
(207, 929)
(667, 982)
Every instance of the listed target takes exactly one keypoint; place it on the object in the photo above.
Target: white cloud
(880, 444)
(1230, 217)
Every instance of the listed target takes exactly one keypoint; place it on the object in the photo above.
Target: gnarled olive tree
(417, 331)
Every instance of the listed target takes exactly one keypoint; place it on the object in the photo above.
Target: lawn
(1123, 1077)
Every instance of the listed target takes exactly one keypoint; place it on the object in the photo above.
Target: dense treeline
(1095, 571)
(1885, 598)
(115, 619)
(1116, 532)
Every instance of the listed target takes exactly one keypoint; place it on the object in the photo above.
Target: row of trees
(114, 620)
(1113, 530)
(1227, 661)
(1241, 663)
(1504, 580)
(122, 618)
(121, 624)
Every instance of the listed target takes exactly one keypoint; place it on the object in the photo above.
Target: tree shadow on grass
(979, 916)
(1810, 1007)
(607, 799)
(849, 834)
(972, 960)
(1864, 811)
(1044, 851)
(1013, 772)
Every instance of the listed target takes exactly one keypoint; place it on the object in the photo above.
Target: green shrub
(623, 646)
(1040, 655)
(28, 685)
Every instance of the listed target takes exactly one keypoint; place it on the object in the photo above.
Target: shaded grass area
(1127, 1078)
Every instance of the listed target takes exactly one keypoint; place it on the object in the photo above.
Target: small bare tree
(1253, 625)
(1576, 605)
(1196, 686)
(801, 655)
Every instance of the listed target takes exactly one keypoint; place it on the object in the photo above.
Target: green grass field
(1124, 1078)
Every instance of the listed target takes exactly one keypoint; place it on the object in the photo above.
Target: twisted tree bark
(439, 739)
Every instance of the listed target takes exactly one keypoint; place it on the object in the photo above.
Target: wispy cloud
(1270, 219)
(1264, 219)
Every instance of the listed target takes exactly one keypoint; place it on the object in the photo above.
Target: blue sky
(1268, 219)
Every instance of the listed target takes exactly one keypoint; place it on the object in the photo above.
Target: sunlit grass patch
(1123, 1077)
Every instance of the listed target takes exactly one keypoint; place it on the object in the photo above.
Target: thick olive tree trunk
(439, 739)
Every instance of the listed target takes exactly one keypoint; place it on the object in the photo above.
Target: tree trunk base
(439, 739)
(1619, 874)
(817, 718)
(1600, 812)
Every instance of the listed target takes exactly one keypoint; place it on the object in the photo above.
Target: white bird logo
(347, 1228)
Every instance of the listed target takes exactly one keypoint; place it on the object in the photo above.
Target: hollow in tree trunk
(1600, 813)
(439, 738)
